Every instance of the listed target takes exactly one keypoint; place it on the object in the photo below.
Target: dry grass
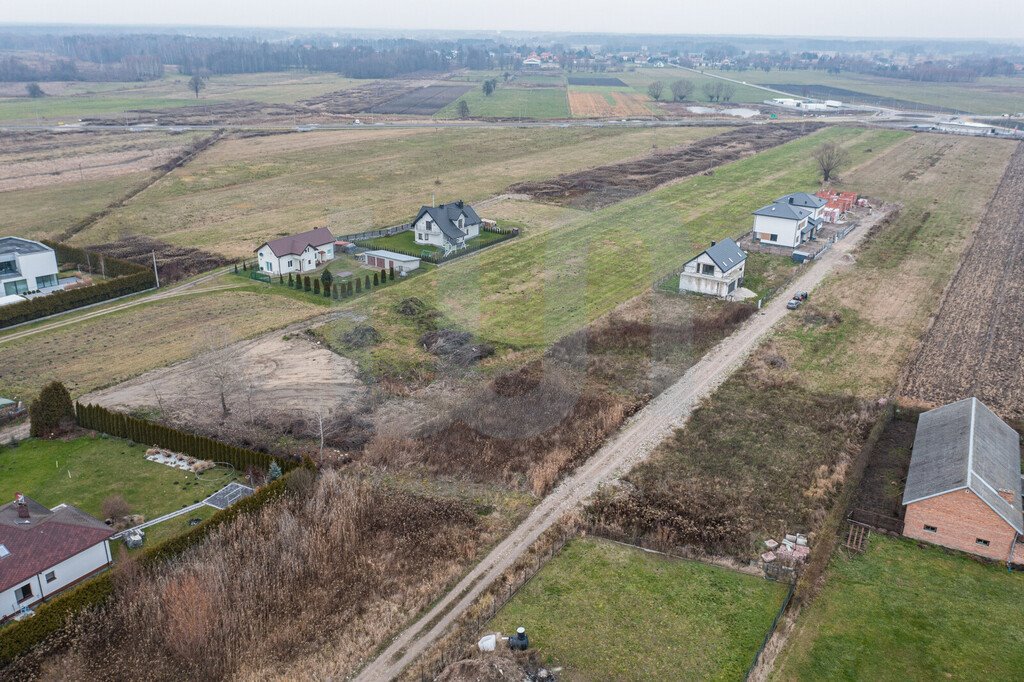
(304, 588)
(110, 349)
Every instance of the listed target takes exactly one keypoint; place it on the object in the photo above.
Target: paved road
(634, 442)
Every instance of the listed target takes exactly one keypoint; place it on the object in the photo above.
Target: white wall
(717, 284)
(434, 236)
(66, 573)
(788, 231)
(32, 267)
(303, 262)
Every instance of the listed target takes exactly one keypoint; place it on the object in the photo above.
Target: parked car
(793, 303)
(801, 296)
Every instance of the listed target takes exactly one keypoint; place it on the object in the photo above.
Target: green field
(86, 470)
(246, 191)
(608, 612)
(904, 612)
(641, 78)
(405, 242)
(984, 96)
(512, 102)
(70, 102)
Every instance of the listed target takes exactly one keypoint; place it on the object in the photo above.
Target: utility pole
(155, 273)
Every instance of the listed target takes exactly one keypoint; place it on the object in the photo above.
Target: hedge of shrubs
(20, 637)
(128, 278)
(118, 424)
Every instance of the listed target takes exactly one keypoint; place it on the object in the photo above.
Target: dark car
(801, 296)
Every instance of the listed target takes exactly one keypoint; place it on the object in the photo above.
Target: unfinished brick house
(964, 487)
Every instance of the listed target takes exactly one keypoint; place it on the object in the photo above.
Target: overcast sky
(882, 18)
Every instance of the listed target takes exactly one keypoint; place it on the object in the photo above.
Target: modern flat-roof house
(448, 226)
(388, 259)
(790, 220)
(963, 488)
(297, 253)
(718, 270)
(44, 551)
(27, 266)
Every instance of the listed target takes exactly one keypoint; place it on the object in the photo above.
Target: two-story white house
(296, 253)
(790, 220)
(27, 266)
(44, 551)
(718, 270)
(448, 226)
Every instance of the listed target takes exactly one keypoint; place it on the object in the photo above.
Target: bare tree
(727, 91)
(655, 89)
(323, 426)
(681, 89)
(830, 156)
(196, 83)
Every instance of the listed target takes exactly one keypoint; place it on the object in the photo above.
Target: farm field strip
(425, 101)
(980, 321)
(596, 104)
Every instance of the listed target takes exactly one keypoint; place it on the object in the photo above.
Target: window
(706, 269)
(51, 576)
(773, 237)
(46, 281)
(930, 529)
(983, 543)
(270, 266)
(290, 263)
(24, 592)
(19, 286)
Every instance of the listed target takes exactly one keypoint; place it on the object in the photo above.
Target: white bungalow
(26, 266)
(718, 270)
(44, 551)
(296, 253)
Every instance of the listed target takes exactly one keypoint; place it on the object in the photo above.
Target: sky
(992, 19)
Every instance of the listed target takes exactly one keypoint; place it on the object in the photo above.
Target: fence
(876, 520)
(374, 234)
(506, 234)
(771, 630)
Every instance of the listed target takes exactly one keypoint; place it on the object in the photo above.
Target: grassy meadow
(246, 191)
(511, 102)
(905, 612)
(603, 611)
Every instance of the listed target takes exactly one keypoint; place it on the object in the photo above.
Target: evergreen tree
(316, 287)
(280, 279)
(391, 272)
(359, 285)
(291, 282)
(383, 275)
(306, 284)
(243, 266)
(366, 284)
(236, 268)
(376, 280)
(52, 413)
(274, 471)
(326, 277)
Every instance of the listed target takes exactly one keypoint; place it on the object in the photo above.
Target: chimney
(22, 507)
(791, 200)
(713, 243)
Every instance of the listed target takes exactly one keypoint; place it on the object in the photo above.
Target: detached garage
(388, 259)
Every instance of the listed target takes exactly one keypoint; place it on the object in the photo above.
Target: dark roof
(48, 538)
(787, 211)
(297, 243)
(727, 254)
(19, 246)
(964, 445)
(445, 216)
(802, 199)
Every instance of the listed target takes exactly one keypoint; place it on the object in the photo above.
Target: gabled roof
(964, 445)
(786, 211)
(727, 254)
(295, 244)
(445, 216)
(45, 539)
(802, 199)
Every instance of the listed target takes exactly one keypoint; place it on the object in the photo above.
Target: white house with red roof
(44, 551)
(296, 253)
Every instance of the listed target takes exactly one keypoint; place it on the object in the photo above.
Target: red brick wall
(960, 517)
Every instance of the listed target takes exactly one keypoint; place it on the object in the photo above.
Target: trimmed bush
(391, 272)
(376, 279)
(305, 283)
(366, 284)
(52, 413)
(316, 287)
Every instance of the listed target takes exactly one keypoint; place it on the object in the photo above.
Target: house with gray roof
(790, 220)
(27, 266)
(717, 270)
(448, 226)
(963, 487)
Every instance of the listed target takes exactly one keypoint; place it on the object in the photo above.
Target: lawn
(512, 102)
(246, 191)
(904, 612)
(984, 96)
(405, 242)
(608, 612)
(85, 471)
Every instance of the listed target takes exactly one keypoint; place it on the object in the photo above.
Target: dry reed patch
(305, 587)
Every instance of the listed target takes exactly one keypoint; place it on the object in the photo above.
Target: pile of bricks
(791, 551)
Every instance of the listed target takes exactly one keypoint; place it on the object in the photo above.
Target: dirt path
(15, 433)
(633, 443)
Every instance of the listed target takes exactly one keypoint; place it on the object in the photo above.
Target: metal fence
(374, 234)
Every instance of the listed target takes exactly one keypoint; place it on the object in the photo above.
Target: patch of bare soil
(604, 185)
(367, 97)
(173, 262)
(224, 113)
(975, 346)
(273, 379)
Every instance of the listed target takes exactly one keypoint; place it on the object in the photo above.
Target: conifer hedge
(118, 424)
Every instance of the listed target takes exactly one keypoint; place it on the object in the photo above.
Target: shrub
(366, 284)
(326, 277)
(305, 283)
(376, 280)
(316, 287)
(383, 275)
(391, 272)
(52, 413)
(291, 282)
(115, 507)
(359, 285)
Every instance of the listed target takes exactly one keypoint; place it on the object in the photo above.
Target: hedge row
(118, 424)
(19, 638)
(128, 278)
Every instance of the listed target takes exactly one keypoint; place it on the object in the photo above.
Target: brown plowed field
(976, 345)
(604, 185)
(596, 104)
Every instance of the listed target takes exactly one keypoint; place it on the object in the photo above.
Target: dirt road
(634, 442)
